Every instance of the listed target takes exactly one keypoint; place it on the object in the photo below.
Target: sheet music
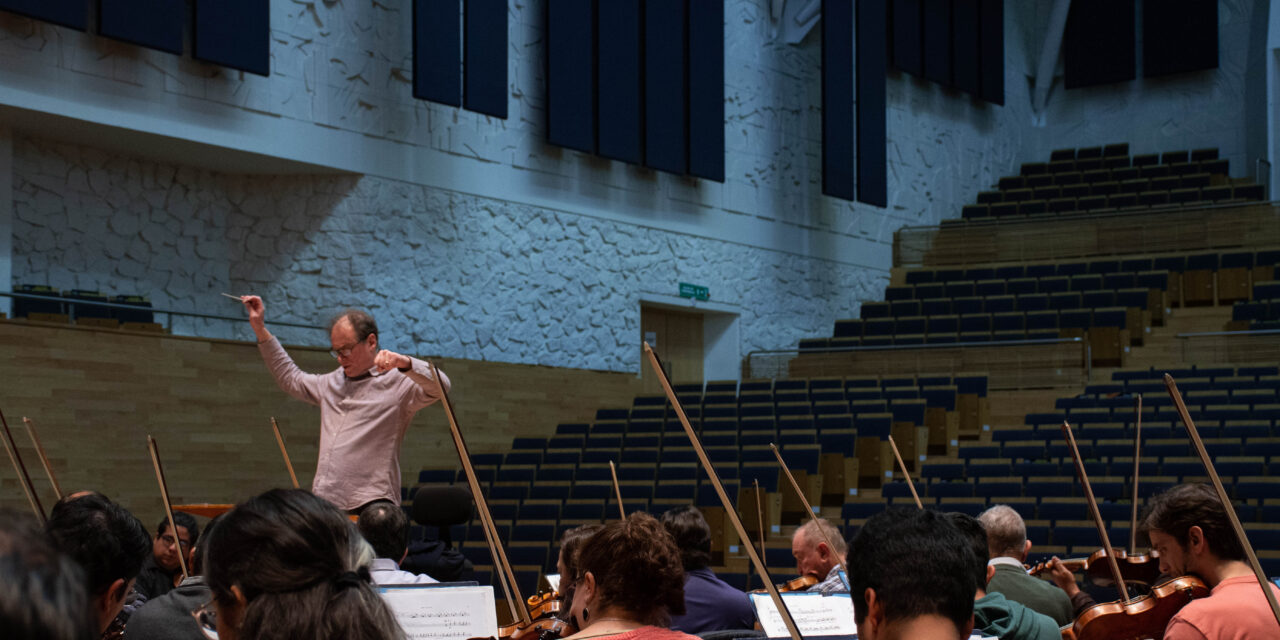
(814, 614)
(443, 613)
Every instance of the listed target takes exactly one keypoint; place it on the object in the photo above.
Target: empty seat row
(1030, 285)
(1117, 200)
(1175, 263)
(1121, 184)
(1170, 158)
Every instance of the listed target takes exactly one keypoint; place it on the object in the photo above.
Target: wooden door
(676, 336)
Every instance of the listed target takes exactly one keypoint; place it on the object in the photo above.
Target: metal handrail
(904, 347)
(1247, 332)
(135, 307)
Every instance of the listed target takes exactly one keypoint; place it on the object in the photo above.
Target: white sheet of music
(443, 613)
(814, 614)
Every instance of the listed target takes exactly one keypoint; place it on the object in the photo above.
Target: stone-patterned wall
(446, 273)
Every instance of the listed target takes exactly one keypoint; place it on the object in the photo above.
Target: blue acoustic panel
(571, 74)
(965, 45)
(1179, 36)
(706, 89)
(618, 86)
(485, 77)
(992, 47)
(872, 148)
(837, 99)
(1099, 44)
(906, 43)
(68, 13)
(437, 51)
(234, 33)
(156, 24)
(936, 25)
(666, 100)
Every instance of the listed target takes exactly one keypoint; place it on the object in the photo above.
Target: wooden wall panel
(95, 394)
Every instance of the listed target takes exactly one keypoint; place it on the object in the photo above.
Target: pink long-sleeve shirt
(362, 423)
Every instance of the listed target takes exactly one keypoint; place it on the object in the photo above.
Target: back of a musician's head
(917, 563)
(107, 541)
(692, 536)
(386, 528)
(636, 567)
(42, 592)
(976, 537)
(822, 531)
(1006, 531)
(300, 569)
(1176, 511)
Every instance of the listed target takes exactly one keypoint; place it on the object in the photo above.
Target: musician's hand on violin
(1063, 577)
(388, 360)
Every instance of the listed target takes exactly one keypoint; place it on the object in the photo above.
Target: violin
(797, 584)
(1141, 569)
(1137, 618)
(544, 623)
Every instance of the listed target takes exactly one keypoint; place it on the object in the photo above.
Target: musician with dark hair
(386, 528)
(42, 592)
(366, 405)
(108, 543)
(162, 571)
(911, 576)
(287, 564)
(1190, 529)
(710, 604)
(628, 582)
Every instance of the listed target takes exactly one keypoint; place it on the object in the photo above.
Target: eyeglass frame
(344, 352)
(206, 617)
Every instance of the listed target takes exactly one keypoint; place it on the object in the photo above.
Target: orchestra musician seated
(710, 604)
(911, 577)
(161, 571)
(817, 553)
(993, 614)
(628, 582)
(1008, 545)
(168, 617)
(386, 529)
(43, 595)
(288, 564)
(108, 543)
(1190, 529)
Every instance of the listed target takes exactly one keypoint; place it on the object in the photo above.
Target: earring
(585, 616)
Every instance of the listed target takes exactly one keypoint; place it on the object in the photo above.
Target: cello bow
(813, 517)
(284, 452)
(730, 511)
(617, 491)
(507, 578)
(1172, 387)
(1137, 466)
(906, 474)
(23, 478)
(44, 459)
(1097, 515)
(168, 507)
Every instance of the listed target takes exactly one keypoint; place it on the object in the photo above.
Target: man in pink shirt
(1191, 531)
(365, 405)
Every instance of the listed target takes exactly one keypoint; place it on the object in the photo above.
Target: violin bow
(506, 577)
(617, 491)
(44, 459)
(1222, 494)
(902, 465)
(284, 452)
(755, 483)
(21, 469)
(813, 517)
(1137, 446)
(168, 507)
(1097, 515)
(730, 510)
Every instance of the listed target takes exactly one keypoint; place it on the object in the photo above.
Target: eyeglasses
(169, 540)
(343, 352)
(207, 620)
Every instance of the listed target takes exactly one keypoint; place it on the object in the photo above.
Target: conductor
(365, 405)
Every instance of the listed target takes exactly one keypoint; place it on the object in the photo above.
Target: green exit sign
(695, 291)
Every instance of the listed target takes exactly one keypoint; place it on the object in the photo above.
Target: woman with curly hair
(289, 565)
(628, 582)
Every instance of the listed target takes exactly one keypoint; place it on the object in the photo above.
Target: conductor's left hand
(388, 360)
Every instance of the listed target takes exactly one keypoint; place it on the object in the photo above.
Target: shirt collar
(1013, 562)
(384, 564)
